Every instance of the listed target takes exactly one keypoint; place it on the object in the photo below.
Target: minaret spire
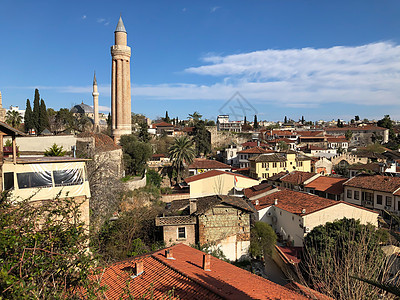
(95, 95)
(120, 84)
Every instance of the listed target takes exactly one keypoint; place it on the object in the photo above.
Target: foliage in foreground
(262, 240)
(337, 252)
(43, 250)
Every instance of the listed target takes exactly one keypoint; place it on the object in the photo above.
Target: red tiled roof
(377, 183)
(253, 144)
(255, 150)
(280, 133)
(297, 177)
(257, 189)
(158, 155)
(202, 163)
(331, 185)
(359, 128)
(290, 253)
(189, 280)
(337, 140)
(295, 202)
(310, 133)
(212, 173)
(163, 124)
(287, 141)
(277, 176)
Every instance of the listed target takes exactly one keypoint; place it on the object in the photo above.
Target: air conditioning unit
(307, 229)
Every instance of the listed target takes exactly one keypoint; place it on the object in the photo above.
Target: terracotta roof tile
(163, 124)
(376, 183)
(275, 157)
(257, 189)
(202, 163)
(295, 202)
(255, 150)
(331, 185)
(297, 177)
(184, 274)
(253, 144)
(277, 176)
(375, 167)
(212, 173)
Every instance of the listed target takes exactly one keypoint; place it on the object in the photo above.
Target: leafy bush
(153, 178)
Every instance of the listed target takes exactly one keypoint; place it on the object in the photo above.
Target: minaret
(95, 95)
(120, 84)
(2, 111)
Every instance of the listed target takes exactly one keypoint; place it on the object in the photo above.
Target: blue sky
(318, 59)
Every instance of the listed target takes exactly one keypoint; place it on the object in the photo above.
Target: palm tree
(181, 151)
(13, 118)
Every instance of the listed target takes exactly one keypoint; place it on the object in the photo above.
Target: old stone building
(218, 221)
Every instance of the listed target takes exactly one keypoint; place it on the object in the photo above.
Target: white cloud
(214, 9)
(84, 17)
(101, 20)
(298, 78)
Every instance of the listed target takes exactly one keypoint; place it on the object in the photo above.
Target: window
(181, 232)
(8, 178)
(349, 194)
(274, 164)
(68, 177)
(356, 195)
(299, 164)
(34, 179)
(367, 196)
(388, 201)
(283, 164)
(379, 199)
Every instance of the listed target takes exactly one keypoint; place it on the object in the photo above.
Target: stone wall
(228, 227)
(135, 183)
(172, 197)
(223, 138)
(350, 158)
(171, 235)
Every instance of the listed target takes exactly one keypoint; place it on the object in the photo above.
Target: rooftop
(297, 177)
(202, 163)
(46, 159)
(331, 185)
(185, 274)
(275, 157)
(255, 150)
(295, 202)
(376, 182)
(212, 173)
(257, 189)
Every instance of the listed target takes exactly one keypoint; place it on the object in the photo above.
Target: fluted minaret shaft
(120, 84)
(95, 95)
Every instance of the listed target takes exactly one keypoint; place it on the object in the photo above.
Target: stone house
(218, 221)
(362, 135)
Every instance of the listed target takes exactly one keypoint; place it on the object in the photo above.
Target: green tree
(28, 116)
(136, 154)
(282, 145)
(13, 118)
(154, 178)
(302, 120)
(245, 120)
(348, 134)
(181, 151)
(36, 112)
(55, 150)
(210, 122)
(357, 118)
(196, 116)
(64, 119)
(285, 120)
(256, 126)
(338, 250)
(43, 250)
(43, 117)
(201, 138)
(262, 240)
(144, 135)
(386, 122)
(167, 119)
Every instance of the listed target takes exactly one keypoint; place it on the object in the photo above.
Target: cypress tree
(285, 121)
(167, 119)
(43, 117)
(36, 111)
(255, 122)
(28, 116)
(245, 120)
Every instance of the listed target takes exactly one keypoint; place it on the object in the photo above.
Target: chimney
(206, 262)
(303, 211)
(192, 206)
(139, 267)
(168, 254)
(276, 202)
(257, 202)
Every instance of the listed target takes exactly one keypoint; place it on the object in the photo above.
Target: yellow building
(266, 165)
